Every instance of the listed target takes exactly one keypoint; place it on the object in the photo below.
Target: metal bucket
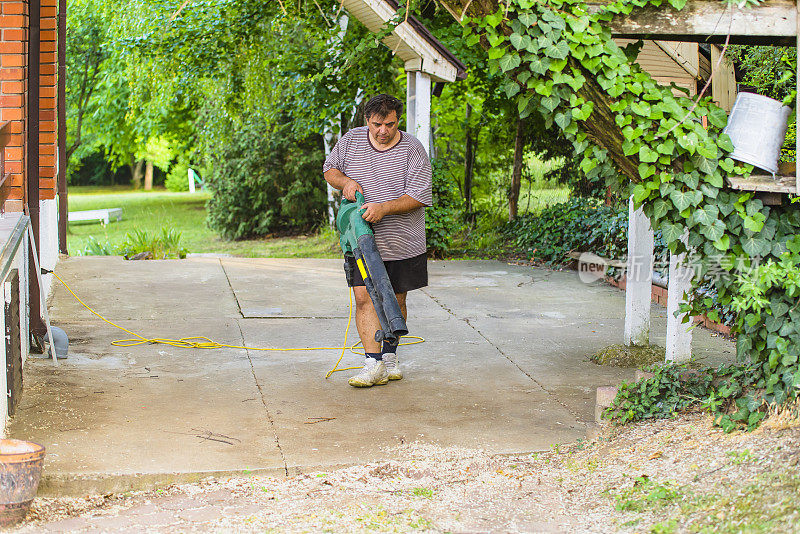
(757, 128)
(20, 471)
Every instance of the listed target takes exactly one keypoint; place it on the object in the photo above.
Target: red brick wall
(13, 95)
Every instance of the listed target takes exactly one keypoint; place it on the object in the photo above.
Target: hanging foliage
(668, 152)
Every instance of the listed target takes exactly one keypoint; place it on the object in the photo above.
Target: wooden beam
(772, 22)
(779, 184)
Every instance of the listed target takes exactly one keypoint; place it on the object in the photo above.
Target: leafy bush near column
(442, 219)
(580, 224)
(265, 180)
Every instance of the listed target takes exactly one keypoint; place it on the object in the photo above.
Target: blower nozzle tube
(382, 293)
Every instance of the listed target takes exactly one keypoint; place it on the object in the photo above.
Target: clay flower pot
(20, 471)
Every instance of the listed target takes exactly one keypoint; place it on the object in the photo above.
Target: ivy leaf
(715, 179)
(641, 108)
(717, 117)
(667, 147)
(689, 142)
(755, 246)
(726, 165)
(709, 191)
(671, 232)
(528, 19)
(563, 120)
(707, 150)
(519, 42)
(640, 193)
(646, 170)
(494, 19)
(678, 4)
(577, 82)
(680, 199)
(660, 208)
(725, 143)
(647, 155)
(511, 88)
(584, 112)
(551, 102)
(714, 231)
(723, 243)
(523, 76)
(496, 52)
(522, 103)
(558, 50)
(509, 61)
(558, 65)
(755, 223)
(706, 216)
(577, 24)
(538, 65)
(629, 147)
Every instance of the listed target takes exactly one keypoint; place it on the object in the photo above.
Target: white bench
(96, 215)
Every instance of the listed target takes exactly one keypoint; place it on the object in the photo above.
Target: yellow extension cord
(202, 342)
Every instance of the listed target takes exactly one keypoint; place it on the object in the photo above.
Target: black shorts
(405, 275)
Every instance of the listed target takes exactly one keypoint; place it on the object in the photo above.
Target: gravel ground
(678, 475)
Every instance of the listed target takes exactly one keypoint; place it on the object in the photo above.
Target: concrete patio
(504, 368)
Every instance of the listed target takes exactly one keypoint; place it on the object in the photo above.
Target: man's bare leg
(374, 371)
(366, 320)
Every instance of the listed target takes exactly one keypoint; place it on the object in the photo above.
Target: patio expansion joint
(506, 356)
(233, 293)
(261, 394)
(264, 402)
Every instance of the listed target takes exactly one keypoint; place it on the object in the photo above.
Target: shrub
(442, 219)
(178, 177)
(580, 224)
(265, 180)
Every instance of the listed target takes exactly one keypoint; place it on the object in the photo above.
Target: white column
(411, 96)
(330, 140)
(639, 277)
(679, 335)
(422, 110)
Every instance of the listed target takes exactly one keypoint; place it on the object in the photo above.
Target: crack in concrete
(255, 378)
(235, 298)
(506, 356)
(264, 402)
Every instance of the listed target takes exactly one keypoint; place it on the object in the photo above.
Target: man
(392, 170)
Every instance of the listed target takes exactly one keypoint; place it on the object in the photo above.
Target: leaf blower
(358, 241)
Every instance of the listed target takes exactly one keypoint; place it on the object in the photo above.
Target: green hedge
(264, 180)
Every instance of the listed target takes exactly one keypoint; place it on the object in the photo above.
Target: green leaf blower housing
(358, 240)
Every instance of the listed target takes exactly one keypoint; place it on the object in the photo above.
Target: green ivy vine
(560, 61)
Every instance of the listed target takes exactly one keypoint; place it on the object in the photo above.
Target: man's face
(383, 129)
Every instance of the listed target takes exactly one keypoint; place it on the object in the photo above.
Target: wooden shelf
(766, 183)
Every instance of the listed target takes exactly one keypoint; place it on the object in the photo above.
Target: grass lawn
(185, 212)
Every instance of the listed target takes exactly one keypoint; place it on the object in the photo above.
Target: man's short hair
(381, 105)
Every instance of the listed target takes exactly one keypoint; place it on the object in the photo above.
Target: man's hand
(350, 188)
(373, 212)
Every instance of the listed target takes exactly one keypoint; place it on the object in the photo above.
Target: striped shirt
(387, 175)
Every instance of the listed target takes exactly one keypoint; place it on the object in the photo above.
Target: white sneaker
(392, 366)
(373, 374)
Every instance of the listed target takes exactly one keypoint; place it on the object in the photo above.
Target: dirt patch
(628, 356)
(677, 475)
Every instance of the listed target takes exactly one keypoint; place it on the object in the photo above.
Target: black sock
(389, 348)
(375, 355)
